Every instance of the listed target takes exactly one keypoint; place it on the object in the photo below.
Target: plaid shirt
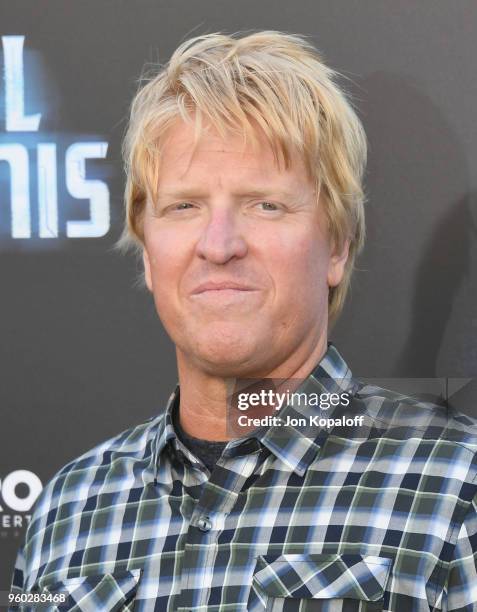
(352, 519)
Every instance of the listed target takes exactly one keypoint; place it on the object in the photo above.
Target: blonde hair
(270, 80)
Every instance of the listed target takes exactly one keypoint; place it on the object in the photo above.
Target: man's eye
(268, 206)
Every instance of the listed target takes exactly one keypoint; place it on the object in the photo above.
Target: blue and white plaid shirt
(377, 517)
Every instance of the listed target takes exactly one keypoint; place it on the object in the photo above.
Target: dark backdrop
(82, 354)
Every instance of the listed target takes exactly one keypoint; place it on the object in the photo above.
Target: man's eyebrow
(182, 193)
(267, 193)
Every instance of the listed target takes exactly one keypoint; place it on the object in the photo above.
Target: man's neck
(203, 396)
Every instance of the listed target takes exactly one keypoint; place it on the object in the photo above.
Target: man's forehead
(189, 167)
(184, 147)
(249, 148)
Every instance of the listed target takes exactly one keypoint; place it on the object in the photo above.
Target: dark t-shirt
(207, 451)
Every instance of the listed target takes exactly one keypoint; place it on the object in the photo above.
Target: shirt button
(204, 523)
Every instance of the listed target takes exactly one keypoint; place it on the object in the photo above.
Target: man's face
(236, 255)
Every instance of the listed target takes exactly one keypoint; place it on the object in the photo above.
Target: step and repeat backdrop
(82, 353)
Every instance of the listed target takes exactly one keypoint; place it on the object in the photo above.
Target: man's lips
(223, 286)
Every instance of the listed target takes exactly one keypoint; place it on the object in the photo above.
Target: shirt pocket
(321, 582)
(114, 592)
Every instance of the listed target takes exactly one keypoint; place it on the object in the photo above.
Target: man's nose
(222, 238)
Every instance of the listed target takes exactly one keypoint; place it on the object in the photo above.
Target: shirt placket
(208, 520)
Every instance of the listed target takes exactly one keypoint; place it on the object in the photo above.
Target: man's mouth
(226, 286)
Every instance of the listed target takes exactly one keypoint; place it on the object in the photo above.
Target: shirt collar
(165, 430)
(291, 444)
(297, 446)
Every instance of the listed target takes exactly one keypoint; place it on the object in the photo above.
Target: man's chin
(225, 362)
(226, 357)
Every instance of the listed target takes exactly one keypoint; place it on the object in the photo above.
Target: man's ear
(337, 264)
(147, 269)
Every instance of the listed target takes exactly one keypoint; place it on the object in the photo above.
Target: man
(244, 197)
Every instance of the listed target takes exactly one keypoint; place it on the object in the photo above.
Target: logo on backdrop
(18, 492)
(50, 185)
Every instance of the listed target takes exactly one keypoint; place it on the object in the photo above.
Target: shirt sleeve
(18, 577)
(462, 580)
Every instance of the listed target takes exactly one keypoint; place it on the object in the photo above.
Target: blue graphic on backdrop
(44, 191)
